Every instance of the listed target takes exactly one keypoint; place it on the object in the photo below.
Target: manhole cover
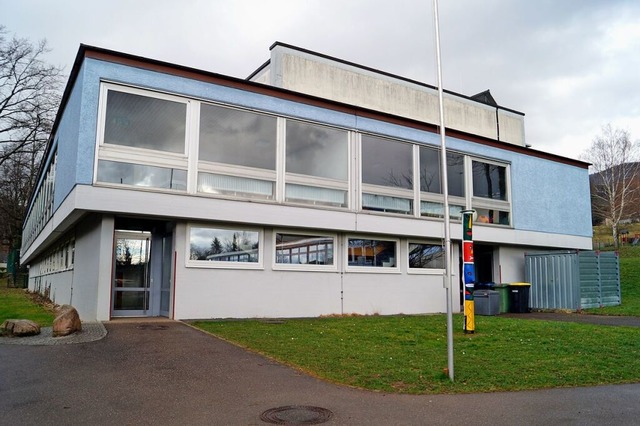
(152, 327)
(296, 415)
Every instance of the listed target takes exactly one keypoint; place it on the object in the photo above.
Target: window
(298, 250)
(436, 209)
(317, 164)
(499, 217)
(490, 192)
(430, 176)
(423, 256)
(141, 175)
(235, 186)
(432, 205)
(387, 175)
(237, 152)
(143, 140)
(224, 247)
(387, 163)
(317, 151)
(372, 253)
(489, 181)
(145, 122)
(241, 138)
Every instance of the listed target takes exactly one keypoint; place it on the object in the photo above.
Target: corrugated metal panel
(589, 279)
(573, 280)
(610, 279)
(554, 279)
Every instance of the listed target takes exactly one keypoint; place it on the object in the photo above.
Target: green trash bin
(503, 290)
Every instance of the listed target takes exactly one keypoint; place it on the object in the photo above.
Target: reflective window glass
(224, 245)
(435, 209)
(315, 195)
(386, 162)
(492, 216)
(304, 249)
(372, 253)
(141, 175)
(489, 181)
(426, 256)
(317, 151)
(455, 174)
(430, 175)
(235, 185)
(237, 137)
(430, 170)
(145, 122)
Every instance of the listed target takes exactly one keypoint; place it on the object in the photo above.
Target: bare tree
(614, 184)
(29, 98)
(17, 178)
(29, 94)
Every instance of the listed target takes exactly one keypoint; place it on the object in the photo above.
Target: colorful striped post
(468, 269)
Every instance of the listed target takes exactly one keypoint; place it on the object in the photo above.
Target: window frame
(372, 269)
(310, 180)
(232, 170)
(488, 203)
(304, 267)
(382, 190)
(191, 263)
(136, 155)
(423, 271)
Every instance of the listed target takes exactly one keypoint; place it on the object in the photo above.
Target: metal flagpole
(445, 193)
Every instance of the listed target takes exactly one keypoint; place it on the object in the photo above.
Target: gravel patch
(91, 331)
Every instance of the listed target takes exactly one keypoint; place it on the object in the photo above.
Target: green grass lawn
(16, 304)
(408, 353)
(629, 285)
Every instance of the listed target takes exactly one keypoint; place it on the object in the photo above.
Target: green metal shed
(573, 279)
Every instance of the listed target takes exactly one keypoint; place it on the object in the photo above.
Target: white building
(310, 188)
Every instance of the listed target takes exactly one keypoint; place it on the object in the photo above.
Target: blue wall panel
(546, 196)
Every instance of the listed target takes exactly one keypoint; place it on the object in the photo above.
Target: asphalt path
(167, 373)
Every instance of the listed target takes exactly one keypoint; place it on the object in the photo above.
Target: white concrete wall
(233, 293)
(511, 127)
(319, 76)
(59, 284)
(511, 264)
(93, 260)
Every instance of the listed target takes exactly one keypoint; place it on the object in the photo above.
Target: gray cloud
(569, 65)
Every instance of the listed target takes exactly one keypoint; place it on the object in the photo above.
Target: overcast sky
(570, 65)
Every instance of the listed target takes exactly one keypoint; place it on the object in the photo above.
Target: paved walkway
(169, 373)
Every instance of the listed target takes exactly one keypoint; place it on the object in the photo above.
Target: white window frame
(233, 170)
(422, 271)
(487, 203)
(135, 155)
(386, 191)
(305, 267)
(189, 263)
(314, 181)
(372, 269)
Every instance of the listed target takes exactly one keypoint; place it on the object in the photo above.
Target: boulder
(67, 322)
(20, 327)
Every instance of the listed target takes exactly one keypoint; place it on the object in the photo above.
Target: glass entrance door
(132, 274)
